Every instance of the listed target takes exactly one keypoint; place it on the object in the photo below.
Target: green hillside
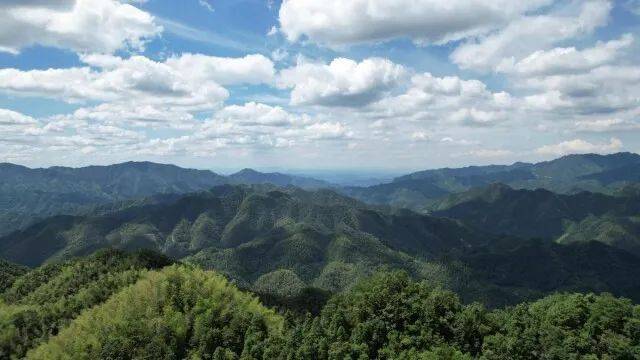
(27, 195)
(327, 240)
(42, 301)
(250, 176)
(178, 312)
(9, 272)
(138, 306)
(581, 217)
(618, 231)
(282, 242)
(570, 174)
(538, 213)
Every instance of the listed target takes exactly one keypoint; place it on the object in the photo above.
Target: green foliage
(327, 241)
(390, 316)
(386, 316)
(179, 312)
(566, 326)
(31, 194)
(423, 191)
(535, 213)
(42, 301)
(622, 232)
(8, 273)
(283, 283)
(111, 306)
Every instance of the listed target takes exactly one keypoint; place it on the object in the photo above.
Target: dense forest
(151, 261)
(117, 305)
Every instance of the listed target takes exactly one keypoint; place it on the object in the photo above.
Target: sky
(344, 85)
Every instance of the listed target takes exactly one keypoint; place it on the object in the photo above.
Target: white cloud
(250, 69)
(579, 146)
(279, 55)
(343, 82)
(257, 114)
(445, 99)
(462, 142)
(102, 26)
(569, 60)
(337, 22)
(605, 89)
(10, 118)
(253, 126)
(421, 136)
(135, 115)
(528, 34)
(474, 117)
(14, 126)
(489, 153)
(139, 90)
(205, 4)
(606, 125)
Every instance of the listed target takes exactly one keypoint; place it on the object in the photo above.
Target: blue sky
(301, 84)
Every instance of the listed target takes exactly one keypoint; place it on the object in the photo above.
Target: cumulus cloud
(337, 22)
(250, 69)
(251, 125)
(86, 131)
(9, 118)
(579, 146)
(24, 136)
(581, 84)
(445, 99)
(140, 90)
(569, 60)
(528, 34)
(343, 82)
(137, 79)
(102, 26)
(605, 89)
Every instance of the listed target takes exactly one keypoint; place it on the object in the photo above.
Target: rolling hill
(113, 305)
(27, 195)
(580, 217)
(253, 177)
(282, 241)
(568, 175)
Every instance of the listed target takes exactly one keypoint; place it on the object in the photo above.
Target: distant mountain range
(30, 194)
(540, 213)
(498, 234)
(250, 176)
(568, 175)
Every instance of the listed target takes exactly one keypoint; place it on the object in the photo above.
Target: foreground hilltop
(139, 305)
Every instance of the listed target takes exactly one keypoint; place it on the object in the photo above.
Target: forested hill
(283, 241)
(250, 176)
(583, 216)
(246, 232)
(30, 194)
(114, 305)
(569, 175)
